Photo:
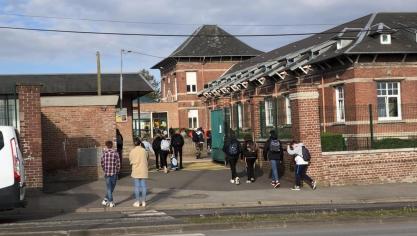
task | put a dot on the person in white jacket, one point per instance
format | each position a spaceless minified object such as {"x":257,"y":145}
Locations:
{"x":296,"y":149}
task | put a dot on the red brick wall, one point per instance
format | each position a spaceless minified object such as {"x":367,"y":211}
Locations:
{"x":126,"y":128}
{"x":77,"y":127}
{"x":31,"y":133}
{"x":371,"y":167}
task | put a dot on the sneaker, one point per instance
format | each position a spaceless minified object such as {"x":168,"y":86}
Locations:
{"x":237,"y":181}
{"x":136,"y":204}
{"x":314,"y":185}
{"x":248,"y":181}
{"x":273,"y":183}
{"x":277,"y":184}
{"x":143,"y":204}
{"x":165,"y":170}
{"x":111,"y":204}
{"x":232,"y":181}
{"x":296,"y":188}
{"x":104,"y":202}
{"x":252,"y":180}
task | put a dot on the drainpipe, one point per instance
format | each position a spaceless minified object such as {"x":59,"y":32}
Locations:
{"x":324,"y":103}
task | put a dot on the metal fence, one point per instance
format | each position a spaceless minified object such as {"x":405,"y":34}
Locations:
{"x":363,"y":127}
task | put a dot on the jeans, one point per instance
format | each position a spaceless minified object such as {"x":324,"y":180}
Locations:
{"x":110,"y":185}
{"x":232,"y":161}
{"x":274,"y":167}
{"x":178,"y":155}
{"x":301,"y":174}
{"x":250,"y":164}
{"x":140,"y":189}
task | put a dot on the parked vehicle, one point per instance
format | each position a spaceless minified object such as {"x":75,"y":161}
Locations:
{"x":12,"y":177}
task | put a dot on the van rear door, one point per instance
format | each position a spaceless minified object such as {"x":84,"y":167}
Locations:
{"x":6,"y":159}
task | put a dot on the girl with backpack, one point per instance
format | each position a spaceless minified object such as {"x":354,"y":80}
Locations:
{"x":301,"y":159}
{"x":165,"y":150}
{"x":250,"y":153}
{"x":274,"y":153}
{"x":232,"y":150}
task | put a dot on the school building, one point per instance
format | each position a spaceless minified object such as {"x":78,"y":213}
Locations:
{"x":348,"y":93}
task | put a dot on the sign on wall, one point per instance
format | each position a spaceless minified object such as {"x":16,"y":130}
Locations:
{"x":121,"y":115}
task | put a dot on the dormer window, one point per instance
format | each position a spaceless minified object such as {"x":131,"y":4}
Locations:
{"x":385,"y":38}
{"x":341,"y":43}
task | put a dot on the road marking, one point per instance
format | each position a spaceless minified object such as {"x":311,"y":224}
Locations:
{"x":147,"y":213}
{"x":180,"y":235}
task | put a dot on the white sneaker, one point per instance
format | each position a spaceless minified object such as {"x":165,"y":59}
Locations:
{"x":136,"y":204}
{"x":111,"y":204}
{"x":314,"y":185}
{"x":143,"y":204}
{"x":237,"y":181}
{"x":296,"y":188}
{"x":232,"y":181}
{"x":248,"y":181}
{"x":104,"y":202}
{"x":165,"y":170}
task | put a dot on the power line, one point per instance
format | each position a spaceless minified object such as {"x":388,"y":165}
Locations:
{"x":145,"y":54}
{"x":186,"y":35}
{"x":157,"y":23}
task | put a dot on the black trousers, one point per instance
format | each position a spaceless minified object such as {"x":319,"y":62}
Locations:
{"x":164,"y":154}
{"x":178,"y":155}
{"x":232,"y":163}
{"x":250,"y":167}
{"x":157,"y":153}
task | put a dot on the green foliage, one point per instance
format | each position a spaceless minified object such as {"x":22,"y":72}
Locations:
{"x":331,"y":142}
{"x":156,"y":95}
{"x":392,"y":143}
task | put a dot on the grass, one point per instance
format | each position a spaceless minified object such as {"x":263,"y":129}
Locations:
{"x":305,"y":217}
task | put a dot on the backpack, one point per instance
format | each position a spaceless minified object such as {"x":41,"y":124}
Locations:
{"x":165,"y":145}
{"x":177,"y":140}
{"x":200,"y":138}
{"x":234,"y":148}
{"x":306,"y":153}
{"x":275,"y":145}
{"x":195,"y":137}
{"x":174,"y":163}
{"x":156,"y":144}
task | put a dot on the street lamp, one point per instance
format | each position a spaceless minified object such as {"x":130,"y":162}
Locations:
{"x":122,"y":51}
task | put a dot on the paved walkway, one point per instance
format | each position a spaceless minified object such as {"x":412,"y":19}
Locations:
{"x":206,"y":189}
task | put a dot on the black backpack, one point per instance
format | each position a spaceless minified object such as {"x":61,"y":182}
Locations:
{"x":275,"y":146}
{"x":156,"y":144}
{"x":306,"y":153}
{"x":177,"y":140}
{"x":194,"y":136}
{"x":234,"y":148}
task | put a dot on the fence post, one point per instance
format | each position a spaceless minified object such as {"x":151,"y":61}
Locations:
{"x":371,"y":125}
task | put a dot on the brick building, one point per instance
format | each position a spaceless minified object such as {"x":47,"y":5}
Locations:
{"x":203,"y":57}
{"x":348,"y":93}
{"x":62,"y":122}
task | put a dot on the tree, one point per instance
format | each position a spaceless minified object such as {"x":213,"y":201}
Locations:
{"x":156,"y":95}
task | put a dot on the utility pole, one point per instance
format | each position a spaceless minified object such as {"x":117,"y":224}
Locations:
{"x":98,"y":74}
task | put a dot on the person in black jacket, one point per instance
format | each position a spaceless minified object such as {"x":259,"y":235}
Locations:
{"x":250,"y":153}
{"x":177,"y":142}
{"x":156,"y":146}
{"x":274,"y":153}
{"x":232,"y":150}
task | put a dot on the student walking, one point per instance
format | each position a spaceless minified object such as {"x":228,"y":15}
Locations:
{"x":198,"y":139}
{"x":208,"y":141}
{"x":274,"y":153}
{"x":164,"y":151}
{"x":138,"y":158}
{"x":119,"y":145}
{"x":110,"y":162}
{"x":177,"y":142}
{"x":232,"y":150}
{"x":156,"y":146}
{"x":301,"y":158}
{"x":250,"y":153}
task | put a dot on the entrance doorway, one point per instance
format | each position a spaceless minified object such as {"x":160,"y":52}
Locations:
{"x":217,"y":135}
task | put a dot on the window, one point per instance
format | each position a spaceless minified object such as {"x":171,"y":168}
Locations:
{"x":288,"y":109}
{"x":389,"y":100}
{"x":269,"y":115}
{"x":340,"y":104}
{"x":385,"y":38}
{"x":192,"y":119}
{"x":1,"y":140}
{"x":240,"y":115}
{"x":191,"y":78}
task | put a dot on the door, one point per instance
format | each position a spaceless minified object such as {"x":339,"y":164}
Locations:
{"x":217,"y":135}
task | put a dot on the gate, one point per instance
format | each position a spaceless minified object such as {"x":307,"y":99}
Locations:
{"x":217,"y":135}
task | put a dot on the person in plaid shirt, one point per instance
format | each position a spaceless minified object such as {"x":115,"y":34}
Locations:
{"x":110,"y":163}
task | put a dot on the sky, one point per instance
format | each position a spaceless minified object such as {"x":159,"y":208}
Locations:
{"x":30,"y":52}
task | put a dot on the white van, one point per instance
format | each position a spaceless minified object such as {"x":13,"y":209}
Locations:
{"x":12,"y":177}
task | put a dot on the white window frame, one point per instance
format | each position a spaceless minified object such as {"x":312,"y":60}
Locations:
{"x":340,"y":104}
{"x":191,"y":80}
{"x":387,"y":40}
{"x":240,"y":115}
{"x":387,"y":96}
{"x":269,"y":116}
{"x":193,"y":115}
{"x":288,"y":110}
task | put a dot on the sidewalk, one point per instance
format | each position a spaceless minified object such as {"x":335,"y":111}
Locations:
{"x":201,"y":189}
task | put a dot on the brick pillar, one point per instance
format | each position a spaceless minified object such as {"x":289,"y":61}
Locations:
{"x":306,"y":126}
{"x":31,"y":133}
{"x":255,"y":116}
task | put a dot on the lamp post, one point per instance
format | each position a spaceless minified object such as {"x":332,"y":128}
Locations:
{"x":122,"y":51}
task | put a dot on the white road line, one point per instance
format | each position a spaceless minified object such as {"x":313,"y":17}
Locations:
{"x":180,"y":235}
{"x":147,"y":213}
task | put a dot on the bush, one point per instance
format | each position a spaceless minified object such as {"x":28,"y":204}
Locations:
{"x":331,"y":142}
{"x":392,"y":143}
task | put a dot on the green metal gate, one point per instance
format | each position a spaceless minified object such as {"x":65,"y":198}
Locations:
{"x":217,"y":134}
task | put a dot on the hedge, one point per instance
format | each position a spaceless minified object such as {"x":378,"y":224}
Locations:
{"x":392,"y":143}
{"x":331,"y":142}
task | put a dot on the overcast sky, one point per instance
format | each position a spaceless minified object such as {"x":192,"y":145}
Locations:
{"x":26,"y":52}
